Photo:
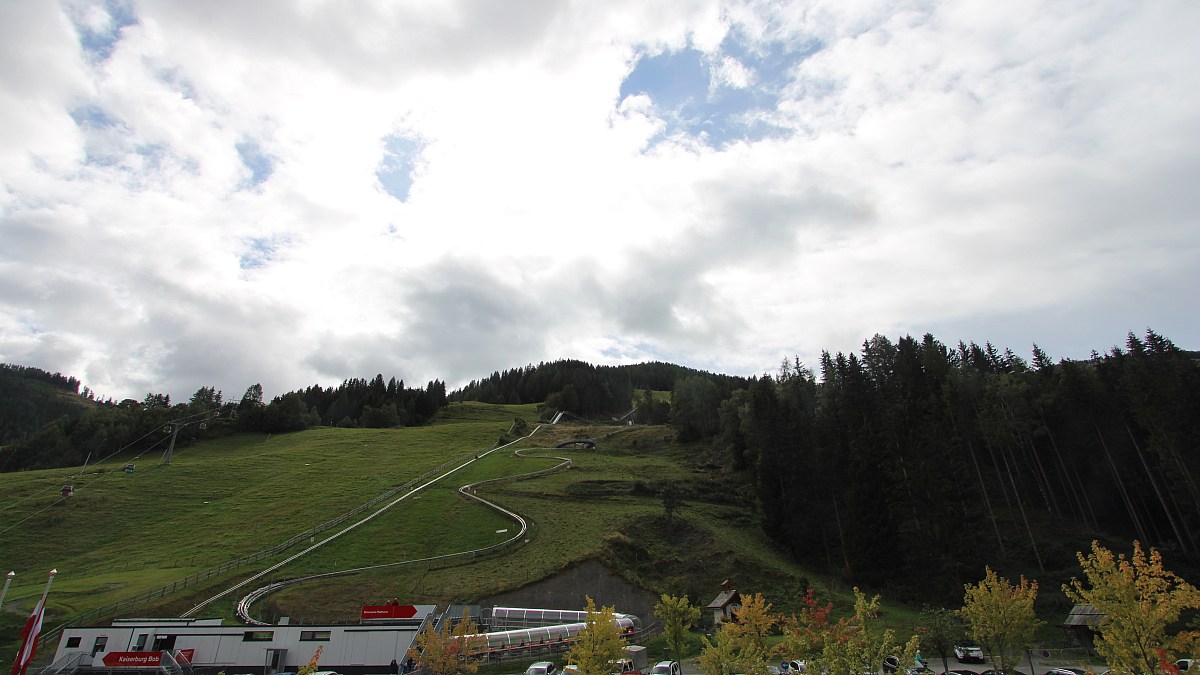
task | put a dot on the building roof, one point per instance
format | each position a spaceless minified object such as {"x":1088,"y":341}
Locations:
{"x":1083,"y":615}
{"x":724,"y":599}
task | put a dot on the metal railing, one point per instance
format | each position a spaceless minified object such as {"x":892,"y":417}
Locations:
{"x":172,"y":666}
{"x":67,"y":663}
{"x":438,"y":561}
{"x":122,"y":606}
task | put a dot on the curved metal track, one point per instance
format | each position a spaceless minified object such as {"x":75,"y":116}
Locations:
{"x":468,"y":491}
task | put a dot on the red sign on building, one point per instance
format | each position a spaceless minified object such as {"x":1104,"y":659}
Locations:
{"x":133,"y":659}
{"x":388,"y":612}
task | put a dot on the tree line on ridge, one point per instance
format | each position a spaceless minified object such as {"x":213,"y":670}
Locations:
{"x":104,"y":427}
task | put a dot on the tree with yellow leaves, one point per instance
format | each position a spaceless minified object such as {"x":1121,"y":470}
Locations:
{"x":677,"y":615}
{"x":740,"y":646}
{"x":451,"y":651}
{"x":599,"y":643}
{"x":1138,"y":599}
{"x":855,"y":645}
{"x":722,"y":656}
{"x":1000,"y":615}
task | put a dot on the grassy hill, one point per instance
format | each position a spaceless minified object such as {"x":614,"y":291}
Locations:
{"x":121,"y":534}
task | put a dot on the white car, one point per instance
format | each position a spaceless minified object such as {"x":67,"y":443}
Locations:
{"x":666,"y":668}
{"x":968,"y":654}
{"x":542,"y":668}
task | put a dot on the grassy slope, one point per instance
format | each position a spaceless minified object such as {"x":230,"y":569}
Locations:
{"x":124,"y":534}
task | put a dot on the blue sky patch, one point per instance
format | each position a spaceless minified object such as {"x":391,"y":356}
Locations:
{"x":261,"y":251}
{"x":99,"y":44}
{"x":104,"y":135}
{"x":93,"y":117}
{"x":175,"y":79}
{"x":256,"y":160}
{"x":692,"y":94}
{"x":395,"y":172}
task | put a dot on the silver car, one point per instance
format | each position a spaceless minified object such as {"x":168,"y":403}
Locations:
{"x":968,"y":654}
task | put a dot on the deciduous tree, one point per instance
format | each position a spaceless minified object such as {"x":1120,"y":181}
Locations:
{"x":943,"y":629}
{"x":1138,"y":599}
{"x":600,"y":642}
{"x":722,"y":656}
{"x":804,"y":635}
{"x":451,"y":651}
{"x":312,"y":665}
{"x":1000,"y":615}
{"x":856,"y":645}
{"x":677,"y":615}
{"x":740,"y":646}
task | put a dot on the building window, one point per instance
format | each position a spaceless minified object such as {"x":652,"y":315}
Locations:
{"x":140,"y":644}
{"x":314,"y":636}
{"x":73,"y":642}
{"x":258,"y":636}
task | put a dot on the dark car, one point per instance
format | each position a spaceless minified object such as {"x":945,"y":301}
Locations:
{"x":1066,"y":671}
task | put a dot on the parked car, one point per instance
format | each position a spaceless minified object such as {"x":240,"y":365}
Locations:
{"x":1184,"y":665}
{"x":624,"y":665}
{"x":1006,"y":671}
{"x":968,"y":654}
{"x":794,"y":667}
{"x":666,"y":668}
{"x":542,"y":668}
{"x":959,"y":672}
{"x":570,"y":669}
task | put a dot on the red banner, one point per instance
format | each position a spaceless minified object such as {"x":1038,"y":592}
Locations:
{"x":388,"y":611}
{"x":133,"y":659}
{"x":185,"y":655}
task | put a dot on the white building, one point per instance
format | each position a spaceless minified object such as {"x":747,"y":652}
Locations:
{"x":129,"y":646}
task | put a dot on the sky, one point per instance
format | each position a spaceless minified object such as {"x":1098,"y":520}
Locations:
{"x":290,"y":193}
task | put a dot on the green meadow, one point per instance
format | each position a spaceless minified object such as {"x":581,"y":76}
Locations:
{"x":122,"y":535}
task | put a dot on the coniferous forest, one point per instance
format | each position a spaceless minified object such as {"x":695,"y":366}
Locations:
{"x":909,"y":461}
{"x":914,"y":460}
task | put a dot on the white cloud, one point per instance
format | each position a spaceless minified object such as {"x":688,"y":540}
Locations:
{"x":729,"y":72}
{"x":190,"y":193}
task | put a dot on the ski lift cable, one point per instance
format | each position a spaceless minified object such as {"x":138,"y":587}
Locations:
{"x":46,"y":508}
{"x":211,"y":414}
{"x":74,"y":483}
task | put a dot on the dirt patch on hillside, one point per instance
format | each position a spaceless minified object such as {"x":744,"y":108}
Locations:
{"x":570,"y":588}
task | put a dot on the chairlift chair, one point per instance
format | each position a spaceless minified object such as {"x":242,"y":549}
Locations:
{"x":129,"y":468}
{"x":68,"y":490}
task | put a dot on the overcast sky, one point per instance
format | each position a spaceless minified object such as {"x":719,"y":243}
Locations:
{"x":226,"y":192}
